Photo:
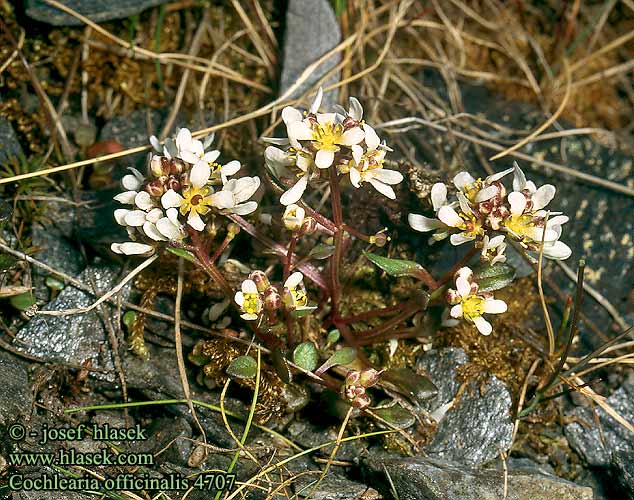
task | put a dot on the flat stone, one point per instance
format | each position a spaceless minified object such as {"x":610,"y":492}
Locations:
{"x":74,"y":338}
{"x":478,"y":425}
{"x":9,"y":145}
{"x":595,"y":445}
{"x":623,"y":472}
{"x":16,"y":397}
{"x":312,"y":30}
{"x":96,"y":10}
{"x":332,"y":487}
{"x":421,"y":478}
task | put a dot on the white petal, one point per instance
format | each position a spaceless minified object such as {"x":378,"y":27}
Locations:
{"x":293,"y":280}
{"x":300,"y":131}
{"x":462,"y":180}
{"x":277,"y":157}
{"x":143,"y":200}
{"x":151,"y":232}
{"x":116,"y":248}
{"x":356,"y":110}
{"x":357,"y":153}
{"x":245,"y":188}
{"x":464,"y":204}
{"x":557,"y":251}
{"x":372,"y":140}
{"x":135,"y":218}
{"x":486,"y":194}
{"x":519,"y":179}
{"x":558,"y":220}
{"x":463,"y":286}
{"x":189,"y":157}
{"x":194,"y":220}
{"x":465,"y":273}
{"x":325,"y":118}
{"x":199,"y":175}
{"x":294,"y":194}
{"x":495,"y":241}
{"x":352,"y":136}
{"x":291,"y":114}
{"x":249,"y":286}
{"x":131,"y":182}
{"x":498,"y":176}
{"x":314,"y":107}
{"x":156,"y":144}
{"x":456,"y":311}
{"x":127,"y":197}
{"x":171,"y":199}
{"x":222,"y":199}
{"x":211,"y":156}
{"x":239,"y":298}
{"x":438,"y":195}
{"x":483,"y":326}
{"x":119,"y":215}
{"x":384,"y":189}
{"x":245,"y":208}
{"x":168,"y":229}
{"x":517,"y":202}
{"x":459,"y":239}
{"x":183,"y":139}
{"x":231,"y":168}
{"x":543,"y":196}
{"x":494,"y":306}
{"x":355,"y":177}
{"x":154,"y":215}
{"x":324,"y":158}
{"x":388,"y":176}
{"x":422,"y":223}
{"x":133,"y":248}
{"x":449,"y":216}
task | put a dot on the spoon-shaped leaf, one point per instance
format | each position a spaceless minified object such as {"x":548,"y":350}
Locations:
{"x":243,"y":367}
{"x":305,"y":356}
{"x":416,"y":387}
{"x":343,"y":356}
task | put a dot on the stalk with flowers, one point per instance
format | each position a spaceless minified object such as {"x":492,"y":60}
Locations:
{"x":186,"y":191}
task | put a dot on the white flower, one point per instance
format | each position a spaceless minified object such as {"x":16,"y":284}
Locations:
{"x":424,"y":224}
{"x":234,"y":195}
{"x":539,"y":198}
{"x":293,"y":217}
{"x":276,"y":160}
{"x":471,"y":305}
{"x":367,"y":166}
{"x":132,"y":248}
{"x":477,"y":190}
{"x":527,"y":226}
{"x":249,"y":301}
{"x":493,"y":249}
{"x":295,"y":297}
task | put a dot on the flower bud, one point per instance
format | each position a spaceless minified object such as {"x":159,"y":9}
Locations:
{"x":272,"y":299}
{"x":293,"y":217}
{"x":176,"y":166}
{"x":172,"y":183}
{"x":158,"y":165}
{"x":379,"y":239}
{"x":184,"y":180}
{"x":155,"y":188}
{"x":232,"y":230}
{"x":369,"y":377}
{"x":261,"y":281}
{"x":309,"y":226}
{"x":349,"y":122}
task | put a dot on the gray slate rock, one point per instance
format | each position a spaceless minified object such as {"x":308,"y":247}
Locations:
{"x":16,"y":397}
{"x":79,"y":337}
{"x":623,"y":472}
{"x":479,"y":424}
{"x":429,"y":479}
{"x":333,"y":487}
{"x":9,"y":145}
{"x":312,"y":30}
{"x":596,"y":447}
{"x":96,"y":10}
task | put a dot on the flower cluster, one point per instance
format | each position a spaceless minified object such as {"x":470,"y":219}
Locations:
{"x":355,"y":385}
{"x":470,"y":304}
{"x":183,"y":186}
{"x":483,"y":212}
{"x":316,"y":141}
{"x":258,"y":296}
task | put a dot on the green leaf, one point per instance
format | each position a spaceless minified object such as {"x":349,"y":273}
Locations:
{"x":396,"y":415}
{"x":243,"y":367}
{"x":333,"y":336}
{"x":281,"y":365}
{"x":23,"y":301}
{"x":343,"y":356}
{"x":54,"y":283}
{"x":185,"y":254}
{"x":305,"y":356}
{"x":321,"y":251}
{"x":490,"y":278}
{"x":395,"y":267}
{"x":410,"y":384}
{"x":129,"y":318}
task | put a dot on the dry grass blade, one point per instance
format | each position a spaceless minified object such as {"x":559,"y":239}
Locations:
{"x":542,"y":298}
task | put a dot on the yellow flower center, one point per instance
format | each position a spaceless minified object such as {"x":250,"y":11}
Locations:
{"x":195,"y":200}
{"x":250,"y":305}
{"x":299,"y":297}
{"x":520,"y":224}
{"x":472,"y":190}
{"x":472,"y":226}
{"x":327,"y":136}
{"x":472,"y":307}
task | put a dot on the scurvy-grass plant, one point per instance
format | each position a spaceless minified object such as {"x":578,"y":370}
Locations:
{"x":185,"y":188}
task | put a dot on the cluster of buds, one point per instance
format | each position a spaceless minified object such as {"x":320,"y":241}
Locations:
{"x":355,"y":385}
{"x":258,"y":297}
{"x":483,"y":212}
{"x":183,"y":187}
{"x":316,"y":141}
{"x":471,"y":304}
